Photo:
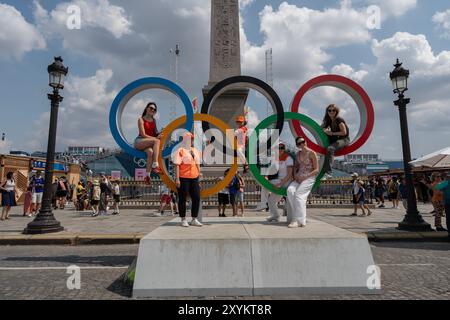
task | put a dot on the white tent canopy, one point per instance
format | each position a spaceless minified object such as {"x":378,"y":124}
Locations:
{"x":438,"y":159}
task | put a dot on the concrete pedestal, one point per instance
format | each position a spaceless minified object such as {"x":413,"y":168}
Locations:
{"x":250,"y":257}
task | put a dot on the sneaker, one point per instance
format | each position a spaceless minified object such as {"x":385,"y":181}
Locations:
{"x":184,"y":224}
{"x":381,"y":206}
{"x":273,"y":219}
{"x":157,"y":170}
{"x":441,"y":229}
{"x":261,"y":208}
{"x":294,"y":224}
{"x":95,"y":214}
{"x":147,"y":180}
{"x":196,"y":223}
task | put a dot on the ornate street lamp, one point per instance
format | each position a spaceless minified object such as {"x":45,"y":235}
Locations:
{"x":45,"y":221}
{"x":413,"y":221}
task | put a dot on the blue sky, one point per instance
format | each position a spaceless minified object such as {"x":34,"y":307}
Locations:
{"x":121,"y":41}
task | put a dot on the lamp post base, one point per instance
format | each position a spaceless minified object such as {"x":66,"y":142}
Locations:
{"x":45,"y":222}
{"x":414,"y":223}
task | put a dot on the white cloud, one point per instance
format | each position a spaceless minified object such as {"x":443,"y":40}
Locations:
{"x":414,"y":50}
{"x":245,"y":3}
{"x":300,"y":38}
{"x":83,"y":115}
{"x":94,"y":14}
{"x":442,"y":19}
{"x":347,"y":71}
{"x":17,"y":36}
{"x":395,"y":8}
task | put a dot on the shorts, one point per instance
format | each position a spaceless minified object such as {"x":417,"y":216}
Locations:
{"x":61,"y":194}
{"x":137,"y":140}
{"x":95,"y":202}
{"x":240,"y":196}
{"x":166,"y":199}
{"x":224,"y":199}
{"x":233,"y":198}
{"x":394,"y":195}
{"x":355,"y":199}
{"x":37,"y":197}
{"x":116,"y":198}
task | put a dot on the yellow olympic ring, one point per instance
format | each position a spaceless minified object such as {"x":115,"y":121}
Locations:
{"x":221,"y":126}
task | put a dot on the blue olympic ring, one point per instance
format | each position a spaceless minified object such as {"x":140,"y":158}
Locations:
{"x":129,"y":92}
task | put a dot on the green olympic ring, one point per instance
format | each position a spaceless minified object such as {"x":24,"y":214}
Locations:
{"x":307,"y":122}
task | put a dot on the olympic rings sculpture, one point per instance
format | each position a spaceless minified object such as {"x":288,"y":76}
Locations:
{"x":297,"y":120}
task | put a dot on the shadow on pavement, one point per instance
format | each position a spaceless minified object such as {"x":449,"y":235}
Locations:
{"x":437,"y":246}
{"x":104,"y":261}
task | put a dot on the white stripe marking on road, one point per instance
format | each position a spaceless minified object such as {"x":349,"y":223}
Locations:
{"x":407,"y":264}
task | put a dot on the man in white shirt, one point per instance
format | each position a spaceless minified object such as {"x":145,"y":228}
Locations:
{"x":286,"y":167}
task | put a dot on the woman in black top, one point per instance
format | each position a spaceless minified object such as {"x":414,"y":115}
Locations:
{"x":338,"y":135}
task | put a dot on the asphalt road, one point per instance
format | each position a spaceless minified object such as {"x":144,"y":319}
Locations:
{"x":409,"y":271}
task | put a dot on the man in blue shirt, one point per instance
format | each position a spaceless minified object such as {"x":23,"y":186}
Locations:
{"x":445,"y":188}
{"x":234,"y":187}
{"x":37,"y":183}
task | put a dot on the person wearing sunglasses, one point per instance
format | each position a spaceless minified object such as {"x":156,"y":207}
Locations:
{"x":149,"y":139}
{"x":187,"y":159}
{"x":306,"y":168}
{"x":337,"y":131}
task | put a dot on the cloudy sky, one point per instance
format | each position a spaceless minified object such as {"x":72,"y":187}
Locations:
{"x":121,"y":41}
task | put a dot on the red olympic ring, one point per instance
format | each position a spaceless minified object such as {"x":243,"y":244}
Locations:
{"x":361,"y":99}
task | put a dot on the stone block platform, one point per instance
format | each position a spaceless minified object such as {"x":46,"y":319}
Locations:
{"x":250,"y":257}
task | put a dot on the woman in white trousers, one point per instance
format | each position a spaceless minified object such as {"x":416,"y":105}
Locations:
{"x":306,"y":169}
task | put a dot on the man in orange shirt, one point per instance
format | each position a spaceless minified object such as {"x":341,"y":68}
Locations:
{"x":187,"y":159}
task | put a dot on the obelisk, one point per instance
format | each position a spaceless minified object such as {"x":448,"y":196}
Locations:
{"x":225,"y":60}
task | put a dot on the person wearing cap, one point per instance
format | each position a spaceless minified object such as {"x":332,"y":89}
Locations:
{"x":283,"y":179}
{"x":306,"y":168}
{"x":187,"y":159}
{"x":241,"y":134}
{"x":149,"y":139}
{"x":355,"y":192}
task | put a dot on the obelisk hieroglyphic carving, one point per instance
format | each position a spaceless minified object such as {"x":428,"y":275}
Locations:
{"x":225,"y":59}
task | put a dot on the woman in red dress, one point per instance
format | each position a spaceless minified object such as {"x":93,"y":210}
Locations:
{"x":149,"y":139}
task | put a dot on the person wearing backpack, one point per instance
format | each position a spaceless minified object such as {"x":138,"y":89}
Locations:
{"x":393,"y":189}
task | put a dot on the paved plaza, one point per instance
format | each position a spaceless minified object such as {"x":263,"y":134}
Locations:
{"x":138,"y":223}
{"x":410,"y":270}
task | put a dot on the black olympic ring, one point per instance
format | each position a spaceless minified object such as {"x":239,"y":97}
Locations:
{"x":252,"y":83}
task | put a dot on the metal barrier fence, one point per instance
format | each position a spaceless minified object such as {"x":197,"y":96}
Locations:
{"x":137,"y":194}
